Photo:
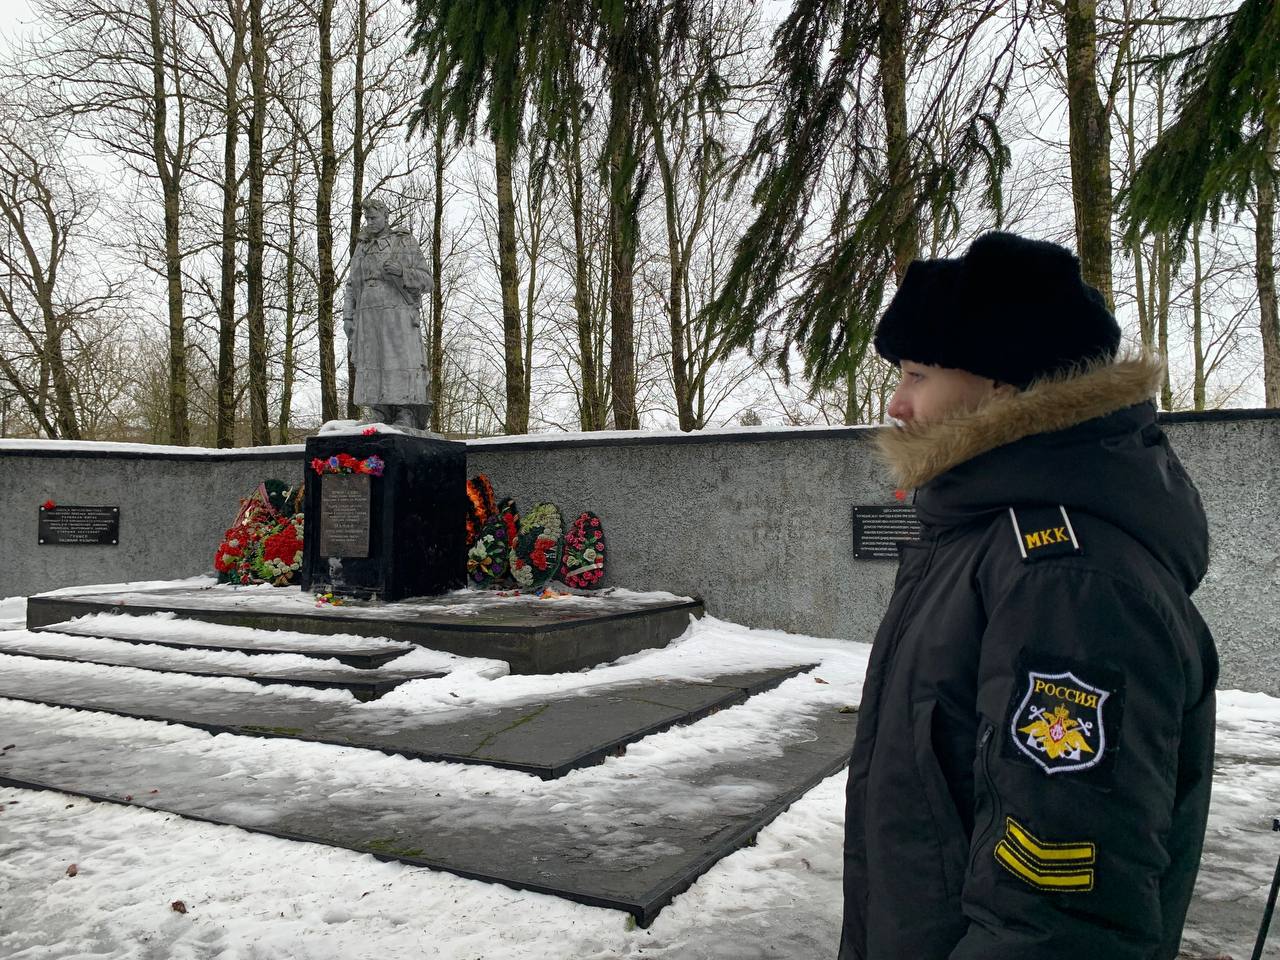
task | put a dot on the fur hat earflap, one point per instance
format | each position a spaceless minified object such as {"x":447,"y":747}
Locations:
{"x":1011,"y":309}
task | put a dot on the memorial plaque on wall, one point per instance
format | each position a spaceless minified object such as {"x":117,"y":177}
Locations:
{"x":877,"y":530}
{"x":79,"y":526}
{"x":345,"y":515}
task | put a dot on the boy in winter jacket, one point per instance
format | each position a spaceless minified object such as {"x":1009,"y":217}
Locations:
{"x":1033,"y":760}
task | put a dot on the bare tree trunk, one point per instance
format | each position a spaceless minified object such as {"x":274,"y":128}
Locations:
{"x":623,"y":237}
{"x":517,"y":420}
{"x":437,"y":286}
{"x":1197,"y":322}
{"x":179,"y":432}
{"x":357,"y":173}
{"x":592,"y":413}
{"x":259,"y":433}
{"x":324,"y":220}
{"x":1146,"y":330}
{"x":535,"y":196}
{"x":226,"y":415}
{"x":289,"y":373}
{"x":1163,"y":280}
{"x":1265,"y":245}
{"x":893,"y":89}
{"x":1090,"y":136}
{"x":675,"y":288}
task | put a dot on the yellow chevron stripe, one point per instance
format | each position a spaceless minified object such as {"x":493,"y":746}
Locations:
{"x":1080,"y":881}
{"x":1036,"y":849}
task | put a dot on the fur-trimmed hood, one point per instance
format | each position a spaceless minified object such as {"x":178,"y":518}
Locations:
{"x":918,"y":454}
{"x":1088,"y":442}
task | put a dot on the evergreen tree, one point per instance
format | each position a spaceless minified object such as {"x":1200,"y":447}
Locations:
{"x":1221,"y":151}
{"x":855,"y":102}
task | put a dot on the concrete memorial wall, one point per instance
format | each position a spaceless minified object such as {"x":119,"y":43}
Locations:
{"x":756,"y":522}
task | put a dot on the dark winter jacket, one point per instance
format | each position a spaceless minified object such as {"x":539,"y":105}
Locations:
{"x":1031,"y":772}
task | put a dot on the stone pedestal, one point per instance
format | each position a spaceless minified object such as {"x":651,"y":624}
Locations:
{"x":399,"y":535}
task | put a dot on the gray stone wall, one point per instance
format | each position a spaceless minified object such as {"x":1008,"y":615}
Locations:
{"x":174,"y":508}
{"x":760,"y":525}
{"x":756,"y":523}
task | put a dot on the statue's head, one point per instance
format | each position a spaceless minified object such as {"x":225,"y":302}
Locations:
{"x":376,"y":213}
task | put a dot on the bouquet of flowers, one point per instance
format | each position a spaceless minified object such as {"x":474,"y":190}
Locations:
{"x":264,"y":543}
{"x":536,"y":552}
{"x":583,"y":563}
{"x":481,"y":507}
{"x":488,"y":558}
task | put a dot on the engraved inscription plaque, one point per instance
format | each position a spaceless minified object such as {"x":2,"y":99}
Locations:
{"x":79,"y":526}
{"x":344,"y":515}
{"x":877,"y":530}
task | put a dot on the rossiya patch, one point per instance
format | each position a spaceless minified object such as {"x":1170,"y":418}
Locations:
{"x":1060,"y":722}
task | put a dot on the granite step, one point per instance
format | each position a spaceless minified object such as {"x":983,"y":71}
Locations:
{"x":365,"y":653}
{"x":630,"y":834}
{"x":547,"y":736}
{"x":532,"y":634}
{"x":263,"y":668}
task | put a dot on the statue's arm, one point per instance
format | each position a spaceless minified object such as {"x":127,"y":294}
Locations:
{"x":417,"y":272}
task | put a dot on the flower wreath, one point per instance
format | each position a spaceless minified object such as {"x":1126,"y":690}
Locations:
{"x":535,"y":555}
{"x":345,"y":463}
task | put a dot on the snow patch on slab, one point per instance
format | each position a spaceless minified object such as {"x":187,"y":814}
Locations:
{"x":92,"y":648}
{"x":13,"y":613}
{"x":171,"y":627}
{"x":73,"y":447}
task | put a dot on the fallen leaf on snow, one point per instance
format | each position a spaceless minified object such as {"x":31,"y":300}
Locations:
{"x":178,"y":906}
{"x":819,"y":680}
{"x":72,"y":870}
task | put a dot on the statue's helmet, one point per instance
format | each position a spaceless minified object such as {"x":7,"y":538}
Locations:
{"x":374,"y":203}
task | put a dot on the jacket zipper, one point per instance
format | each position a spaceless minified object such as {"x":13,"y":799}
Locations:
{"x":983,"y":752}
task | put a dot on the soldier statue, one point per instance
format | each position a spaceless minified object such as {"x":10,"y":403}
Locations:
{"x":381,"y":316}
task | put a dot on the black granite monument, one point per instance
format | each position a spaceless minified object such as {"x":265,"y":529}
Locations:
{"x":388,"y":537}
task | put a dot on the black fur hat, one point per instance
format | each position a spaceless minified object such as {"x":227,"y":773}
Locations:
{"x":1011,"y":309}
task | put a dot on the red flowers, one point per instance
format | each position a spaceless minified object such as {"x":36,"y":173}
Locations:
{"x":370,"y":431}
{"x":345,"y":463}
{"x":48,"y":505}
{"x":900,"y":494}
{"x":285,"y":546}
{"x":540,"y":547}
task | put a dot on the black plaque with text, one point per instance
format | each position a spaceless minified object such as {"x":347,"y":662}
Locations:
{"x":79,"y":526}
{"x":877,"y":530}
{"x":345,"y":514}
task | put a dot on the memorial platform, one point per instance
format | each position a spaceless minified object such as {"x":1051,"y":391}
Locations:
{"x":532,"y":634}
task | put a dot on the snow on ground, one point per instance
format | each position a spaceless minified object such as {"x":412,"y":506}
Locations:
{"x":250,"y":897}
{"x":13,"y":613}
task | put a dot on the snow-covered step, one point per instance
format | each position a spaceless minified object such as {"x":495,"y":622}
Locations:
{"x":166,"y":629}
{"x":264,"y":668}
{"x":547,"y":736}
{"x":629,"y":834}
{"x":557,"y":633}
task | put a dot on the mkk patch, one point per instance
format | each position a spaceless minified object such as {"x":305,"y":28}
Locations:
{"x":1043,"y":532}
{"x":1059,"y":722}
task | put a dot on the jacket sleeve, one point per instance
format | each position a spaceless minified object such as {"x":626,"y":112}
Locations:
{"x":1081,"y":695}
